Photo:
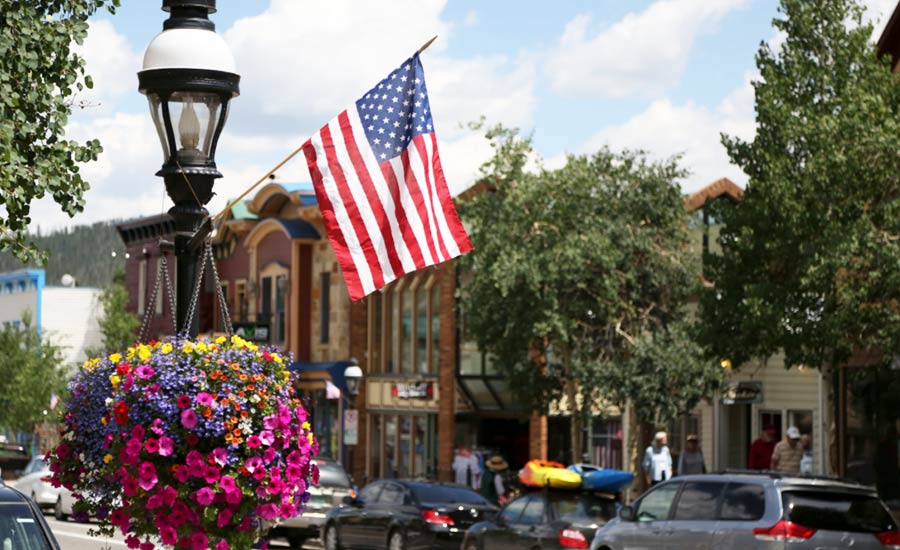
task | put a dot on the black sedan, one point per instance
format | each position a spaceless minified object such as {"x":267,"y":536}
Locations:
{"x":22,"y":524}
{"x":405,"y":515}
{"x":544,"y":519}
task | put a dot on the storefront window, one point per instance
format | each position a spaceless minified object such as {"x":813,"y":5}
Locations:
{"x":422,"y":330}
{"x":406,"y":345}
{"x":606,"y":442}
{"x":420,"y":441}
{"x":404,"y":450}
{"x":390,"y":446}
{"x":375,"y":446}
{"x":435,"y":325}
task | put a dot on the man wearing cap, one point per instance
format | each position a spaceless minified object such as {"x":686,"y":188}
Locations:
{"x":787,"y":454}
{"x":761,"y":450}
{"x":657,"y":461}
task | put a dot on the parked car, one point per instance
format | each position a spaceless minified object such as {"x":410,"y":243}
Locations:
{"x":400,"y":515}
{"x":334,"y":484}
{"x":542,"y":519}
{"x":35,"y":482}
{"x":22,"y":524}
{"x":752,"y":511}
{"x":13,"y":459}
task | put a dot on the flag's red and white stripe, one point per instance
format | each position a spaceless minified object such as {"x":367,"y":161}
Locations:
{"x":383,"y":219}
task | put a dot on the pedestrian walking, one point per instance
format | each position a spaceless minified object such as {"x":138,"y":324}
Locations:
{"x":787,"y":454}
{"x":657,"y":460}
{"x":761,"y":450}
{"x":492,"y":487}
{"x":691,"y":459}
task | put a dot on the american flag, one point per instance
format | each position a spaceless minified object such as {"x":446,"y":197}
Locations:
{"x":380,"y":186}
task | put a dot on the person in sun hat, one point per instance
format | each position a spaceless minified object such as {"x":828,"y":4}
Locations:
{"x":788,"y":453}
{"x":492,"y":480}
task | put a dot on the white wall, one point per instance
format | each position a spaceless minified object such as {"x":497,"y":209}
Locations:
{"x":71,"y":320}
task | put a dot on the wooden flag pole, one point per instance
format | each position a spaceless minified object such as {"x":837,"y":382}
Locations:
{"x":425,"y":46}
{"x":287,"y":159}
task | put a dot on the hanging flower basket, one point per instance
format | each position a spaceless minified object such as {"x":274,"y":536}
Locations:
{"x":186,"y":443}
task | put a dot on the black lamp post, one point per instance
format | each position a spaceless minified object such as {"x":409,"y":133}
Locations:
{"x":189,"y":78}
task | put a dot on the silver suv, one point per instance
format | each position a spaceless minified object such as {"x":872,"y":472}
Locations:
{"x":334,"y":484}
{"x":752,"y":511}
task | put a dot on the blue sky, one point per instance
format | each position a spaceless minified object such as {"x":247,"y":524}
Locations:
{"x":666,"y":76}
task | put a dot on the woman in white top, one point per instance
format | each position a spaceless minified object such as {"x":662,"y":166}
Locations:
{"x":657,"y":461}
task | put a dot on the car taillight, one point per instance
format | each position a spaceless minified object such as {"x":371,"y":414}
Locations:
{"x":572,"y":538}
{"x":784,"y":531}
{"x":890,"y":539}
{"x":436,"y":518}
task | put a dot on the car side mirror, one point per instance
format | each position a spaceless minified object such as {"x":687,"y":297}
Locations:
{"x":626,"y":513}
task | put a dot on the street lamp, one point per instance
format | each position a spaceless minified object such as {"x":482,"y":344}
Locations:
{"x":352,"y":376}
{"x":189,"y":77}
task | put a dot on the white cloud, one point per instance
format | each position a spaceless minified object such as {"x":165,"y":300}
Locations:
{"x":112,"y":64}
{"x":642,"y":54}
{"x":665,"y":129}
{"x":878,"y":12}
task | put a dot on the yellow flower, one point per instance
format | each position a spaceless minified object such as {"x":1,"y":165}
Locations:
{"x":310,"y":438}
{"x":114,"y":380}
{"x":166,"y":348}
{"x":277,"y":358}
{"x":107,"y":458}
{"x":220,"y":340}
{"x":116,"y":357}
{"x":144,"y":353}
{"x":237,"y":341}
{"x":306,"y":426}
{"x":201,"y":347}
{"x":187,"y":347}
{"x":252,"y":347}
{"x":104,"y":421}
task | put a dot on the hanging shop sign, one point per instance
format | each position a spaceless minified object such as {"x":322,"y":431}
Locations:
{"x":351,"y":427}
{"x":254,"y":332}
{"x":413,"y":390}
{"x":742,"y":393}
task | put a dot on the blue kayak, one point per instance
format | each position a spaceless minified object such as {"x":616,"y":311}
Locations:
{"x":602,"y":479}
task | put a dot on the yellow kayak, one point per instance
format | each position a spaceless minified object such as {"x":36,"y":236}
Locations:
{"x":546,"y":473}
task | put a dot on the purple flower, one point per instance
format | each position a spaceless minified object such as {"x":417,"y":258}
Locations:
{"x":188,"y":419}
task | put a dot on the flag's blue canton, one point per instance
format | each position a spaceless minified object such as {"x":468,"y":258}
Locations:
{"x":396,"y":110}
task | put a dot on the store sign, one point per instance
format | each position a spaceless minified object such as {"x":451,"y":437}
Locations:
{"x":351,"y":427}
{"x":742,"y":393}
{"x":413,"y":390}
{"x":254,"y":332}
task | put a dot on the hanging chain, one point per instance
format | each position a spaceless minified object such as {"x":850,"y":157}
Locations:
{"x":226,"y":318}
{"x":151,"y":307}
{"x":195,"y":295}
{"x":162,"y":273}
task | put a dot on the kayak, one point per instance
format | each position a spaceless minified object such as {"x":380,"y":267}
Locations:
{"x":546,"y":473}
{"x":602,"y":479}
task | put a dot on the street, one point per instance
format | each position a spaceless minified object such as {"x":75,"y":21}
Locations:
{"x":73,"y":536}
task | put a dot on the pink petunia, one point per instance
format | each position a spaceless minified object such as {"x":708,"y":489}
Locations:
{"x":147,"y":545}
{"x":166,"y":446}
{"x":188,"y":418}
{"x":169,"y":494}
{"x":222,"y":545}
{"x":147,"y":483}
{"x":275,"y":486}
{"x":204,"y":399}
{"x":133,"y":447}
{"x":130,"y":486}
{"x":204,"y":496}
{"x":199,"y":541}
{"x":183,"y":474}
{"x":227,"y":483}
{"x":168,"y":535}
{"x":192,"y":440}
{"x":63,"y":450}
{"x":144,"y":371}
{"x":155,"y":501}
{"x":253,"y":463}
{"x":266,"y":437}
{"x":119,"y":519}
{"x":156,"y":427}
{"x":253,"y":442}
{"x":151,"y":445}
{"x":211,"y":475}
{"x":138,"y":433}
{"x":218,"y":456}
{"x":147,"y":469}
{"x":287,"y":510}
{"x":183,"y":402}
{"x":132,"y":541}
{"x":233,"y":496}
{"x":269,"y":455}
{"x":224,"y":518}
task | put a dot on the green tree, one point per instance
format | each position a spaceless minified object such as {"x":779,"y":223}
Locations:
{"x":809,"y":263}
{"x":31,"y":371}
{"x":579,"y":281}
{"x":119,"y":326}
{"x":40,"y":75}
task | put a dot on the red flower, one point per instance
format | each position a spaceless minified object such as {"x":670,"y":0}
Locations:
{"x":121,"y":412}
{"x":122,"y":369}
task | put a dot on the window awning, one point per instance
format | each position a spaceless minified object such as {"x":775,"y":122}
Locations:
{"x":329,"y":370}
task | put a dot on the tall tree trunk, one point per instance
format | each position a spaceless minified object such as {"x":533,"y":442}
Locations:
{"x":576,"y":429}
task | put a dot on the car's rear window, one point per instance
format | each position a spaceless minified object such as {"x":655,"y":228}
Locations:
{"x":332,"y":475}
{"x":19,"y":529}
{"x":446,"y":494}
{"x":835,"y":511}
{"x":576,"y":506}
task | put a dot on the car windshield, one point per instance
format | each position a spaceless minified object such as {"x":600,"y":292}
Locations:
{"x":435,"y":494}
{"x":575,"y":506}
{"x":834,"y":511}
{"x":332,"y":474}
{"x":19,"y":529}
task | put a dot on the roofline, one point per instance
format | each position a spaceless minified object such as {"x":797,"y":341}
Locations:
{"x":722,"y":187}
{"x":889,"y":41}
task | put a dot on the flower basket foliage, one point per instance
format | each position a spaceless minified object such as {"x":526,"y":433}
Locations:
{"x":186,"y":443}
